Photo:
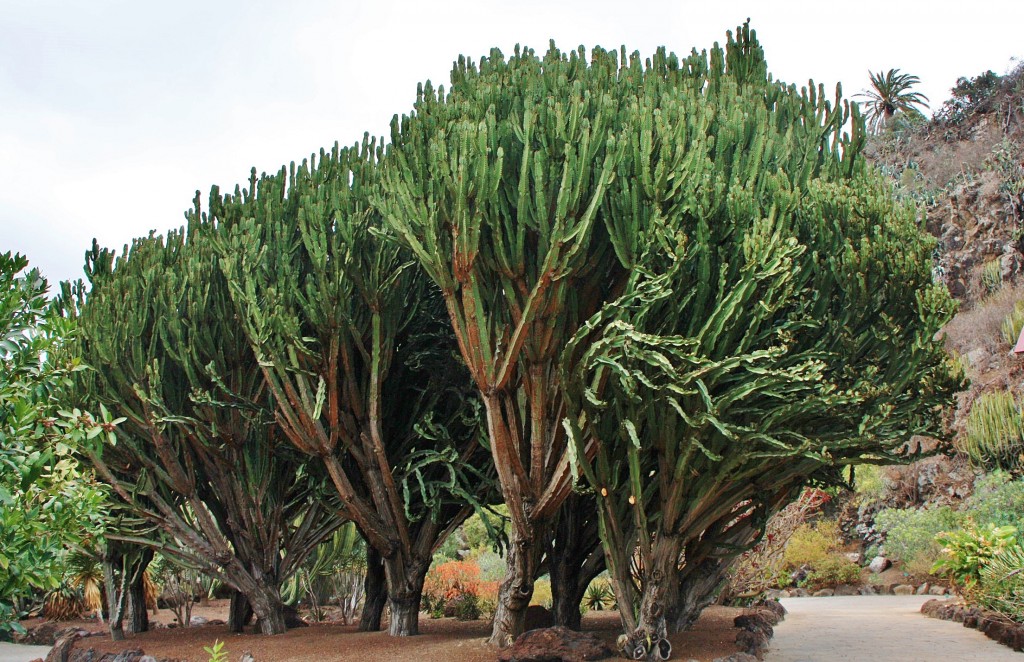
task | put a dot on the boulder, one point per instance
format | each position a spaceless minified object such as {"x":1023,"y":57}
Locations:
{"x":938,"y":590}
{"x":799,"y":593}
{"x":824,"y":593}
{"x":855,"y":557}
{"x":61,"y":651}
{"x":752,"y":643}
{"x":44,"y":634}
{"x":773,"y":606}
{"x":903,"y":589}
{"x":846,"y":589}
{"x":922,"y":589}
{"x":737,"y":657}
{"x":555,"y":644}
{"x":867,"y":590}
{"x":879,"y":564}
{"x":754,"y":622}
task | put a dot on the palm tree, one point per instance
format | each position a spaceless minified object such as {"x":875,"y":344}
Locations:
{"x":890,"y":94}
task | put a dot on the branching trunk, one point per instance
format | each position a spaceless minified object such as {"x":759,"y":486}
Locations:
{"x":649,"y":639}
{"x":269,"y":608}
{"x":516,"y":589}
{"x":574,"y":559}
{"x":404,"y":590}
{"x":697,"y":590}
{"x":239,"y":612}
{"x":375,"y":590}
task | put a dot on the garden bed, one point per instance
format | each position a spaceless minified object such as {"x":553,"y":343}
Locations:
{"x":447,"y":639}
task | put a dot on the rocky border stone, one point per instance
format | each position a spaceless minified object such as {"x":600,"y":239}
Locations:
{"x":756,"y":626}
{"x":864,"y":589}
{"x":995,"y":626}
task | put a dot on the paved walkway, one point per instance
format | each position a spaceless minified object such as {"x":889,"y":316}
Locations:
{"x":18,"y":653}
{"x":876,"y":628}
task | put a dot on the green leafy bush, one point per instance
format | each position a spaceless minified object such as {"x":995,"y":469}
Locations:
{"x":832,"y":570}
{"x":910,"y":533}
{"x":998,"y":499}
{"x":968,"y":550}
{"x":993,"y":436}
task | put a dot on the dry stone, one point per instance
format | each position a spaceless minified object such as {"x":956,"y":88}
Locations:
{"x":879,"y":564}
{"x":556,"y":644}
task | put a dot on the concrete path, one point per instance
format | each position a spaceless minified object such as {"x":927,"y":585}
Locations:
{"x":19,"y":653}
{"x":876,"y":628}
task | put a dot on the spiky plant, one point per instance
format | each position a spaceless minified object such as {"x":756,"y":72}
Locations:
{"x":890,"y":93}
{"x":85,"y":572}
{"x":993,"y":437}
{"x":63,"y":603}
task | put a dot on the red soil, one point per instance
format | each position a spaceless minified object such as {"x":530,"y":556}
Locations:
{"x":441,"y":640}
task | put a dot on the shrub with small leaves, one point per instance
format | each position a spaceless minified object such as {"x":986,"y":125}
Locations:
{"x":968,"y":550}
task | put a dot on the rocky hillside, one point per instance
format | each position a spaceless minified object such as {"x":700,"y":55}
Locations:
{"x":965,"y":169}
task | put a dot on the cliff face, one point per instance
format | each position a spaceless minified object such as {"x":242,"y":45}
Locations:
{"x":965,"y":169}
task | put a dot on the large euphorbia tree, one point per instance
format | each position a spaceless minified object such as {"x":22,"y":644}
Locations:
{"x":780,"y":326}
{"x":353,"y":345}
{"x":199,"y":459}
{"x":496,"y":188}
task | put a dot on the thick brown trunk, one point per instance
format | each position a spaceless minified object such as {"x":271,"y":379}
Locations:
{"x":266,"y":603}
{"x":404,"y":590}
{"x":573,"y":559}
{"x":138,"y":616}
{"x":239,"y":612}
{"x":566,"y":597}
{"x":697,"y":589}
{"x":649,"y":640}
{"x":375,"y":592}
{"x":516,"y":589}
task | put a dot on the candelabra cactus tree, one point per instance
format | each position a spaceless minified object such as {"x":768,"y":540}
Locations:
{"x":198,"y":460}
{"x":779,"y":326}
{"x":353,"y":345}
{"x":496,"y":187}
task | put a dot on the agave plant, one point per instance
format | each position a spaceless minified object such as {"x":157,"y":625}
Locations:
{"x":85,"y":573}
{"x":890,"y":94}
{"x":599,"y":596}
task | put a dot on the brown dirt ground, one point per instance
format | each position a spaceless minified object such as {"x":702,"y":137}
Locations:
{"x":441,"y":640}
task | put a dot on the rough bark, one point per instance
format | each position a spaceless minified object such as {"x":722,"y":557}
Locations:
{"x":573,"y":559}
{"x":697,"y":589}
{"x":115,"y":588}
{"x":516,"y":589}
{"x":649,"y":639}
{"x":375,"y":592}
{"x":404,"y":590}
{"x":266,"y":603}
{"x":239,"y":612}
{"x":137,"y":616}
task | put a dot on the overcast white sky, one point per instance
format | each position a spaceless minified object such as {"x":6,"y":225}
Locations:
{"x":112,"y":113}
